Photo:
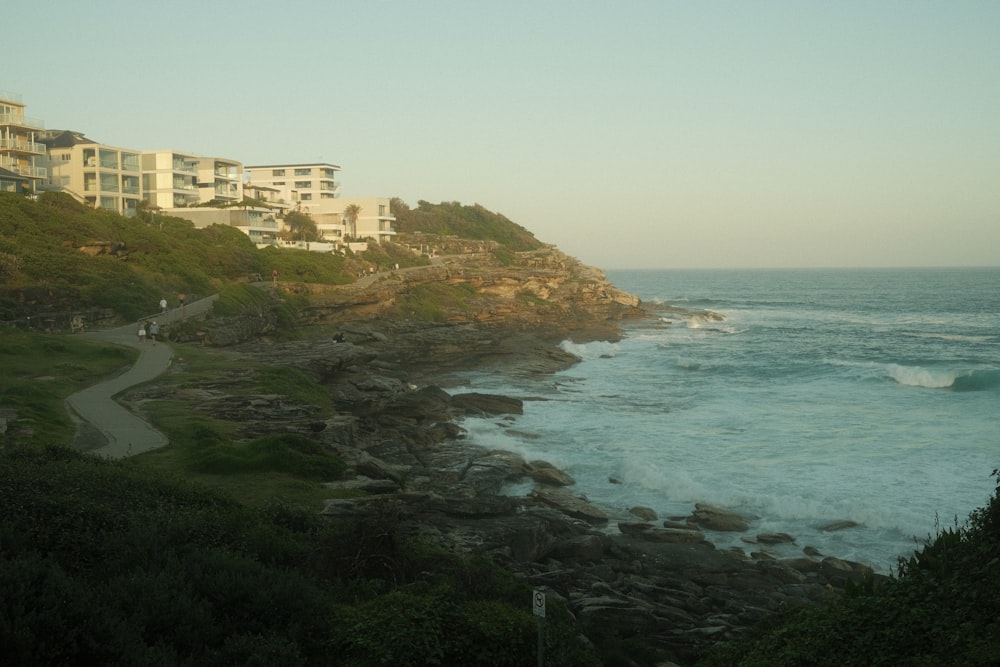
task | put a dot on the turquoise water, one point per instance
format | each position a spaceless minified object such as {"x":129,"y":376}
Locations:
{"x":822,"y":395}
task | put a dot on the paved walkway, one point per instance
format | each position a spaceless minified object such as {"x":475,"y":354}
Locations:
{"x":127,"y":434}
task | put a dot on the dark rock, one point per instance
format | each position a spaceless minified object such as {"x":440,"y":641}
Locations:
{"x":544,"y":472}
{"x":487,"y":404}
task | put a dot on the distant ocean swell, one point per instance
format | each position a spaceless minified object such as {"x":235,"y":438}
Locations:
{"x":927,"y":377}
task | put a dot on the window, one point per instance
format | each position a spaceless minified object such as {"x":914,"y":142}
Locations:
{"x":306,"y":197}
{"x":277,"y":172}
{"x":304,"y":184}
{"x":279,"y":183}
{"x":304,"y":171}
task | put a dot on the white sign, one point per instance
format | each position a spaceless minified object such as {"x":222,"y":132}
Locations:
{"x":538,"y":603}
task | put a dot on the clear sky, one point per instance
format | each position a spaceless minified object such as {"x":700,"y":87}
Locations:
{"x":644,"y":133}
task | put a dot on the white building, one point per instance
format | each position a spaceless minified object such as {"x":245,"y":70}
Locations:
{"x":170,"y":179}
{"x":297,"y":184}
{"x":19,"y":150}
{"x":98,"y":175}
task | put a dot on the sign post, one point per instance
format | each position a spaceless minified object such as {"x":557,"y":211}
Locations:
{"x":538,"y":609}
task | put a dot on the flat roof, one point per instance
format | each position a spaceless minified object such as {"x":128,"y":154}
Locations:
{"x":286,"y":166}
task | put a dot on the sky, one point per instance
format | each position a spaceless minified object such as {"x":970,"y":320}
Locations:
{"x":630,"y":134}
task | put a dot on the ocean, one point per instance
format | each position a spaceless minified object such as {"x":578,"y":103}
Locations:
{"x":863,"y":395}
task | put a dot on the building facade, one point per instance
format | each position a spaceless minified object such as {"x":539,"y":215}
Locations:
{"x":220,"y":181}
{"x":170,"y":179}
{"x":100,"y":176}
{"x":374,"y":218}
{"x":19,"y":149}
{"x":302,"y":185}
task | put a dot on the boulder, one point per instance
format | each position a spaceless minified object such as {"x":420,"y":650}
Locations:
{"x":716,"y":518}
{"x":644,"y":513}
{"x":569,"y":504}
{"x":487,"y":404}
{"x":544,"y":472}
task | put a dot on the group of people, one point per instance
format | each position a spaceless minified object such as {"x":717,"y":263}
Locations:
{"x":154,"y":331}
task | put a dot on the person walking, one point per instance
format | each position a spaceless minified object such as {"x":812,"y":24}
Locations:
{"x":163,"y":305}
{"x":154,"y":329}
{"x":142,"y":332}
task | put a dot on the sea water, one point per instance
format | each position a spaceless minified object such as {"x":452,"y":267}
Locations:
{"x":817,"y":396}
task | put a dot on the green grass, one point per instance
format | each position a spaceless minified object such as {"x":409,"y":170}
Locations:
{"x":38,"y":372}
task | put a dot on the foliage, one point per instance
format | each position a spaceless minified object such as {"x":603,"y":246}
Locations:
{"x":300,"y":227}
{"x":433,"y":302}
{"x":386,"y":255}
{"x":306,"y":266}
{"x":138,"y":260}
{"x":467,"y":222}
{"x":943,"y":608}
{"x":105,"y":563}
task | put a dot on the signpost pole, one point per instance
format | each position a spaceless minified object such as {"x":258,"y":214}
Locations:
{"x":538,"y":608}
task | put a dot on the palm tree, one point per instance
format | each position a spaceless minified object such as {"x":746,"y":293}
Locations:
{"x":351,"y":214}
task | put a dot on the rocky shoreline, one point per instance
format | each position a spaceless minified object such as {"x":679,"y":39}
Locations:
{"x":633,"y":572}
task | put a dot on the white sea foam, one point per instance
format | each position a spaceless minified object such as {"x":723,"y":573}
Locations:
{"x":828,"y":407}
{"x":592,"y":350}
{"x":915,"y":376}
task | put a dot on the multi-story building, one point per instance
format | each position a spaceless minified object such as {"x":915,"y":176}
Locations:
{"x":374,"y":218}
{"x":220,"y":180}
{"x":19,"y":149}
{"x":170,"y":179}
{"x":100,"y":176}
{"x":298,"y":184}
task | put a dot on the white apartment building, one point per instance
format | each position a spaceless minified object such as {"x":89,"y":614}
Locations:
{"x":297,"y":184}
{"x":19,"y":150}
{"x":374,"y":221}
{"x":170,"y":179}
{"x":99,"y":175}
{"x":220,"y":180}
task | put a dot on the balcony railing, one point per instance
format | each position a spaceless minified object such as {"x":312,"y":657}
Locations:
{"x":20,"y":120}
{"x":22,"y":170}
{"x":22,"y":146}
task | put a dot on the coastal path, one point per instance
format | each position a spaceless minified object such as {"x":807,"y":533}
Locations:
{"x":125,"y":433}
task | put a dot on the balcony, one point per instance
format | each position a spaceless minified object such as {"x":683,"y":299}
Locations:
{"x":24,"y":170}
{"x":18,"y":120}
{"x":22,"y":146}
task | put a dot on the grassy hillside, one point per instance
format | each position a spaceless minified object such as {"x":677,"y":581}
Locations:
{"x":58,"y":255}
{"x":467,"y":222}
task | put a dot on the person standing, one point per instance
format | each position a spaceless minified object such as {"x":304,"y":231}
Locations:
{"x":154,"y":329}
{"x":163,"y":305}
{"x":274,"y":277}
{"x":142,"y":332}
{"x":181,"y":297}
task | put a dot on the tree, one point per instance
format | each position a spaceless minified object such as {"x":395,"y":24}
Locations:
{"x":351,"y":214}
{"x":301,"y":227}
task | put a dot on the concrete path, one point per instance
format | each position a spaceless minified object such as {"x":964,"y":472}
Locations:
{"x":127,"y":434}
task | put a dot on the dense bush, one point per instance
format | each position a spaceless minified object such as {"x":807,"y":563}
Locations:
{"x":467,"y":222}
{"x":103,"y":563}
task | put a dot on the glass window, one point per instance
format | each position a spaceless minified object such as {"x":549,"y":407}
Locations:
{"x":277,"y":172}
{"x":304,"y":171}
{"x":304,"y":184}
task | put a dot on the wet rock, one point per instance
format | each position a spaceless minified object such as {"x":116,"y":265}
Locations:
{"x":487,"y":404}
{"x":544,"y":472}
{"x":717,"y":518}
{"x":572,"y":505}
